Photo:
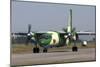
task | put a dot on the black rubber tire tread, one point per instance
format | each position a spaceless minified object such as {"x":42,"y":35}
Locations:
{"x":45,"y":50}
{"x":36,"y":50}
{"x":74,"y":49}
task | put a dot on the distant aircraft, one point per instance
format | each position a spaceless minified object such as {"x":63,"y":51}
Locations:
{"x":54,"y":38}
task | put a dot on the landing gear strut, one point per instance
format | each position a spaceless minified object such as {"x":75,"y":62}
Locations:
{"x":74,"y":48}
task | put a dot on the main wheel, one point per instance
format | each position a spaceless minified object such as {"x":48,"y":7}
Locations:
{"x":45,"y":50}
{"x":74,"y":49}
{"x":36,"y":50}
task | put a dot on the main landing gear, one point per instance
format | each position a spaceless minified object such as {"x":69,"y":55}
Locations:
{"x":74,"y":48}
{"x":37,"y":50}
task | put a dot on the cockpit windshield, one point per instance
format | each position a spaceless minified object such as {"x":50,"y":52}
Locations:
{"x":45,"y":36}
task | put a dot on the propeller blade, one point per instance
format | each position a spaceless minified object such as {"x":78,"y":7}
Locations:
{"x":29,"y":28}
{"x":28,"y":36}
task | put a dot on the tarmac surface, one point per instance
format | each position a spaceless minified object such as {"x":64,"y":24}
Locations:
{"x":86,"y":54}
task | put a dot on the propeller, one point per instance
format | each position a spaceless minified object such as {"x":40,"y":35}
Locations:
{"x":75,"y":35}
{"x":68,"y":38}
{"x":28,"y":38}
{"x":65,"y":30}
{"x":70,"y":35}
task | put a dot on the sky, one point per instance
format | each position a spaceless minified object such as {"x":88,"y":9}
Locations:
{"x":49,"y":16}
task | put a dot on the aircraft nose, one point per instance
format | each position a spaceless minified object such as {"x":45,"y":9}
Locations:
{"x":42,"y":41}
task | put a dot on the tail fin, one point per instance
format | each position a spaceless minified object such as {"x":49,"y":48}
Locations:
{"x":69,"y":27}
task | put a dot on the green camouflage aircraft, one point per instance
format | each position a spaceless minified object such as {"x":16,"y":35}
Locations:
{"x":54,"y":38}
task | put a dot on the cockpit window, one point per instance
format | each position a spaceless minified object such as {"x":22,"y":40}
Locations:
{"x":46,"y":36}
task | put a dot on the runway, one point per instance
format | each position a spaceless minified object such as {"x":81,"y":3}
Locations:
{"x":86,"y":54}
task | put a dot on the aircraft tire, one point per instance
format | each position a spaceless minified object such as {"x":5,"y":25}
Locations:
{"x":45,"y":50}
{"x":74,"y":49}
{"x":36,"y":50}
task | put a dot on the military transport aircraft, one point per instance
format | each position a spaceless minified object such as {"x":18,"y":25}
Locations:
{"x":54,"y":38}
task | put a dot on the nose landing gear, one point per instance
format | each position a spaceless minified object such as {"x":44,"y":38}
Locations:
{"x":45,"y":50}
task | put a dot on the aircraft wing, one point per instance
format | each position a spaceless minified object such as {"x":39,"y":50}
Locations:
{"x":86,"y":33}
{"x":61,"y":33}
{"x":79,"y":33}
{"x":24,"y":34}
{"x":19,"y":34}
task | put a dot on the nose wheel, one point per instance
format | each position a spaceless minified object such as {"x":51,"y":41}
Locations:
{"x":45,"y":50}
